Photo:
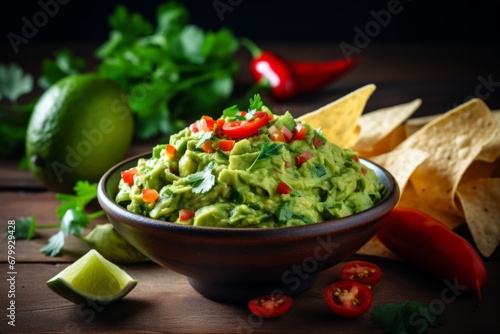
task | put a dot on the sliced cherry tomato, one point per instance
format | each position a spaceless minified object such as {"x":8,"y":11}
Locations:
{"x":303,"y":157}
{"x":300,"y":132}
{"x":283,"y":188}
{"x":128,"y":175}
{"x":171,"y":151}
{"x":185,"y":214}
{"x":348,"y":299}
{"x":245,"y":128}
{"x":361,"y":271}
{"x":226,"y":145}
{"x":270,"y":306}
{"x":149,"y":195}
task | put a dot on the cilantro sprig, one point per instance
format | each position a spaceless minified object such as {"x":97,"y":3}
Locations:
{"x":179,"y":66}
{"x":267,"y":151}
{"x":204,"y":180}
{"x":405,"y":317}
{"x":73,"y":217}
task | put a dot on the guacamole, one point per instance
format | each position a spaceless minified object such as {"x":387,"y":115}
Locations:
{"x":249,"y":169}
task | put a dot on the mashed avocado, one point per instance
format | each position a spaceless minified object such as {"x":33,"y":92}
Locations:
{"x":249,"y":169}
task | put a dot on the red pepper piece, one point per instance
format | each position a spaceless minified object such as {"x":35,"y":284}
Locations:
{"x":426,"y":242}
{"x":313,"y":75}
{"x":287,"y":78}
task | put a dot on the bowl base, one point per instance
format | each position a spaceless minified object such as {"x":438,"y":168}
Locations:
{"x":228,"y":292}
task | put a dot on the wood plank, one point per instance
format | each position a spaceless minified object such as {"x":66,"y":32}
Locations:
{"x":163,"y":301}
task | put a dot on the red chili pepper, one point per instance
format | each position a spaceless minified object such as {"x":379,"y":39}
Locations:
{"x":426,"y":242}
{"x":287,"y":78}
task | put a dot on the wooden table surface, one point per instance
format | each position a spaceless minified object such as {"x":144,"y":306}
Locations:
{"x":443,"y":76}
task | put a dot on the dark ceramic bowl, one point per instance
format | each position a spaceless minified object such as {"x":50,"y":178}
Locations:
{"x":236,"y":264}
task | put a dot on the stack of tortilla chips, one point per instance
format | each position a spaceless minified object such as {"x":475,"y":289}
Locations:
{"x":446,"y":165}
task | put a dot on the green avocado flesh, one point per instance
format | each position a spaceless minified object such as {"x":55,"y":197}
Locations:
{"x":259,"y":183}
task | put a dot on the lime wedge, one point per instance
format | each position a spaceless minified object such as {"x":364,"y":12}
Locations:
{"x":92,"y":278}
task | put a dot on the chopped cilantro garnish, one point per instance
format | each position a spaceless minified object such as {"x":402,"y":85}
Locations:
{"x":202,"y":181}
{"x":268,"y":150}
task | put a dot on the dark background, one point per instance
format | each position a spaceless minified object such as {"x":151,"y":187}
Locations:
{"x":333,"y":21}
{"x":442,"y":47}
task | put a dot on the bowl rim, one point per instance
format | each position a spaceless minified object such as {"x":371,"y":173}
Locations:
{"x":387,"y":203}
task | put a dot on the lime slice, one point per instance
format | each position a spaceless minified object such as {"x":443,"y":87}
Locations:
{"x":92,"y":278}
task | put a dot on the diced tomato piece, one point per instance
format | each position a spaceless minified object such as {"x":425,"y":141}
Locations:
{"x":207,"y":146}
{"x":300,"y":132}
{"x":288,"y":164}
{"x":283,"y":188}
{"x":356,"y":158}
{"x":185,"y":214}
{"x":128,"y":175}
{"x":278,"y":136}
{"x":206,"y":123}
{"x":287,"y":133}
{"x":194,"y":127}
{"x":363,"y":170}
{"x":318,"y":142}
{"x":303,"y":157}
{"x":226,"y":145}
{"x":149,"y":195}
{"x":171,"y":151}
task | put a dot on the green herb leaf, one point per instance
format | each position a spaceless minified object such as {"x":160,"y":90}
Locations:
{"x":25,"y":228}
{"x":171,"y":72}
{"x":84,"y":193}
{"x":64,"y":64}
{"x":405,"y":317}
{"x":14,"y":82}
{"x":202,"y":181}
{"x":73,"y":223}
{"x":204,"y":137}
{"x":268,"y":150}
{"x":256,"y":103}
{"x":71,"y":211}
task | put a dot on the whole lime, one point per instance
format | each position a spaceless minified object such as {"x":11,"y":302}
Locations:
{"x":80,"y":127}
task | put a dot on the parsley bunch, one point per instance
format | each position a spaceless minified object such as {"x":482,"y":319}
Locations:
{"x":174,"y":71}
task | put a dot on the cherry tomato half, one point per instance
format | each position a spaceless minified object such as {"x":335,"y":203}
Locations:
{"x":361,"y":271}
{"x":246,"y":128}
{"x":348,"y":299}
{"x":270,"y":306}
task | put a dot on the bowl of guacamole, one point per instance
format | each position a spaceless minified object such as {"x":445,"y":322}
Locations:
{"x":234,"y":203}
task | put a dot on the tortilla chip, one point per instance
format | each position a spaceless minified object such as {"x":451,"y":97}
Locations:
{"x":385,"y":145}
{"x":414,"y":124}
{"x":491,"y":151}
{"x":409,"y":198}
{"x":375,"y":247}
{"x":479,"y":200}
{"x":453,"y":142}
{"x":376,"y":125}
{"x":338,"y":120}
{"x":401,"y":164}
